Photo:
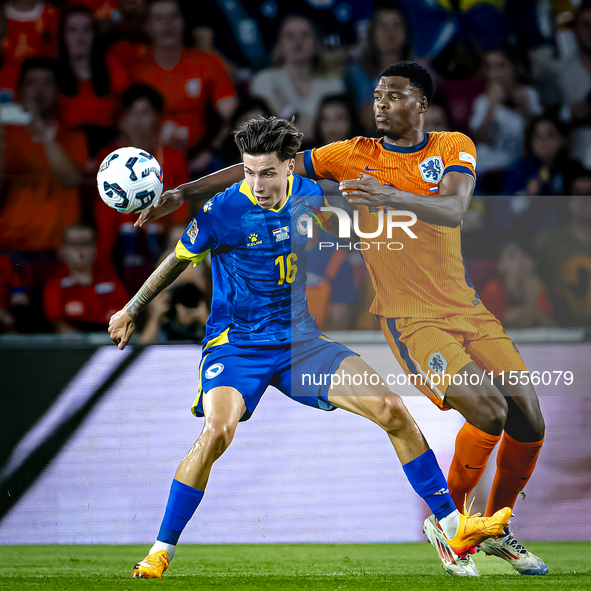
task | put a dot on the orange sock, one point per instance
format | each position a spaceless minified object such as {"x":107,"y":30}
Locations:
{"x":473,"y":448}
{"x":515,"y":464}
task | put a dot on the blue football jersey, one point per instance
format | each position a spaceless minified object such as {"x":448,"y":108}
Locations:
{"x":258,"y":259}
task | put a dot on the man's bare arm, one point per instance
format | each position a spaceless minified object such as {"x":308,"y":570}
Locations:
{"x":200,"y":190}
{"x":456,"y":187}
{"x":160,"y":279}
{"x":122,"y":323}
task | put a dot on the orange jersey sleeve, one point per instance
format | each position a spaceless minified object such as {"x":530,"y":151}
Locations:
{"x":329,"y":162}
{"x":459,"y":154}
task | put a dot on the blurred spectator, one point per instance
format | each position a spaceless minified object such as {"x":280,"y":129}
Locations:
{"x":388,"y":42}
{"x":181,"y":315}
{"x":188,"y":79}
{"x":89,"y":84}
{"x":437,"y":117}
{"x":543,"y":169}
{"x":139,"y":126}
{"x":41,"y":167}
{"x":534,"y":183}
{"x":564,"y":256}
{"x":9,"y":67}
{"x":82,"y":297}
{"x":249,"y":108}
{"x":336,"y":120}
{"x":102,"y":9}
{"x":574,"y":77}
{"x":13,"y":297}
{"x":297,"y":81}
{"x":517,"y":297}
{"x":126,"y":38}
{"x":500,"y":114}
{"x":31,"y":29}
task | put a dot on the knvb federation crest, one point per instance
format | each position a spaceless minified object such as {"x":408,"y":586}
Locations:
{"x":437,"y":363}
{"x":432,"y":169}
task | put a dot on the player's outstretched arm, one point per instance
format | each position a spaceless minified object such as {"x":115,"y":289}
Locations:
{"x":122,"y":323}
{"x":198,"y":191}
{"x":455,"y":188}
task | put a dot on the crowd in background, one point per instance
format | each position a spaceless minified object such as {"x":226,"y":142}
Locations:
{"x":80,"y":78}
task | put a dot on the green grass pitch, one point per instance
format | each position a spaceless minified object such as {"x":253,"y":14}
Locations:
{"x":404,"y":567}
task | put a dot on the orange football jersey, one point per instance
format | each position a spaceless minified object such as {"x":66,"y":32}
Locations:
{"x":426,"y":278}
{"x":198,"y":79}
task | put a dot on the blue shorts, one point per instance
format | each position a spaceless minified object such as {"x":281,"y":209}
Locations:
{"x":251,"y":368}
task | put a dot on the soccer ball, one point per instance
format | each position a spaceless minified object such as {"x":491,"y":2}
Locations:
{"x":129,"y":180}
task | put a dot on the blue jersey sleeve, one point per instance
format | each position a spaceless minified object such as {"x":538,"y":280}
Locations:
{"x":202,"y":234}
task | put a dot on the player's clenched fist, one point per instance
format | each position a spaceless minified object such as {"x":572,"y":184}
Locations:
{"x":121,"y":327}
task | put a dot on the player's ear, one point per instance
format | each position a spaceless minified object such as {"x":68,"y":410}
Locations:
{"x":423,"y":105}
{"x":291,"y":165}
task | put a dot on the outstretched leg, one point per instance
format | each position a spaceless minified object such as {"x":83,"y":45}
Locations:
{"x":223,"y":407}
{"x":379,"y":405}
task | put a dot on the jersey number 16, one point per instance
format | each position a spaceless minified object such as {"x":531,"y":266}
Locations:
{"x":287,"y":263}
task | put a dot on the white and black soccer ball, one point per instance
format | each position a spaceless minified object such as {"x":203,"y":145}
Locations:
{"x":129,"y":180}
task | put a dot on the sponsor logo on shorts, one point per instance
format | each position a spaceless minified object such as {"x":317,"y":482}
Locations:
{"x":215,"y":370}
{"x":437,"y":363}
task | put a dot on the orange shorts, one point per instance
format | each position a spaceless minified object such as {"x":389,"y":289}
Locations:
{"x":427,"y":346}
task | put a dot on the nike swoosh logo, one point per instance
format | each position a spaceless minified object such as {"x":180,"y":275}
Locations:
{"x":471,"y":468}
{"x":373,"y":169}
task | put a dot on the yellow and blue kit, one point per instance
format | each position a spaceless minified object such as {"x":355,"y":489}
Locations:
{"x":260,"y":332}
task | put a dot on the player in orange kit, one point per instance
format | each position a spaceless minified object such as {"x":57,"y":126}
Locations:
{"x":429,"y":311}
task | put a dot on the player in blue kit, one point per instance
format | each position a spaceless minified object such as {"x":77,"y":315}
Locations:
{"x":260,"y":333}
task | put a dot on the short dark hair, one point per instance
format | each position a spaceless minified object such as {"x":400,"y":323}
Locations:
{"x":552,"y":116}
{"x":417,"y":77}
{"x":37,"y":63}
{"x":268,"y":135}
{"x":137,"y":91}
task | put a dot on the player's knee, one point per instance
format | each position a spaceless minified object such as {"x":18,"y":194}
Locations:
{"x":219,"y":435}
{"x":390,"y":413}
{"x":537,"y":424}
{"x":492,"y":415}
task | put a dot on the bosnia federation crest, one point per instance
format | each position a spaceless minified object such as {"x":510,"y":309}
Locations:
{"x":215,"y":370}
{"x":304,"y":225}
{"x":193,"y":231}
{"x":432,"y":169}
{"x":437,"y":363}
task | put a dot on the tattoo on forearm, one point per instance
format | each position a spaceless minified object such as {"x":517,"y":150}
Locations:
{"x":159,"y":280}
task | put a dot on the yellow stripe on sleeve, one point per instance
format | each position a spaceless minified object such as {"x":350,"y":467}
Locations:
{"x":182,"y":254}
